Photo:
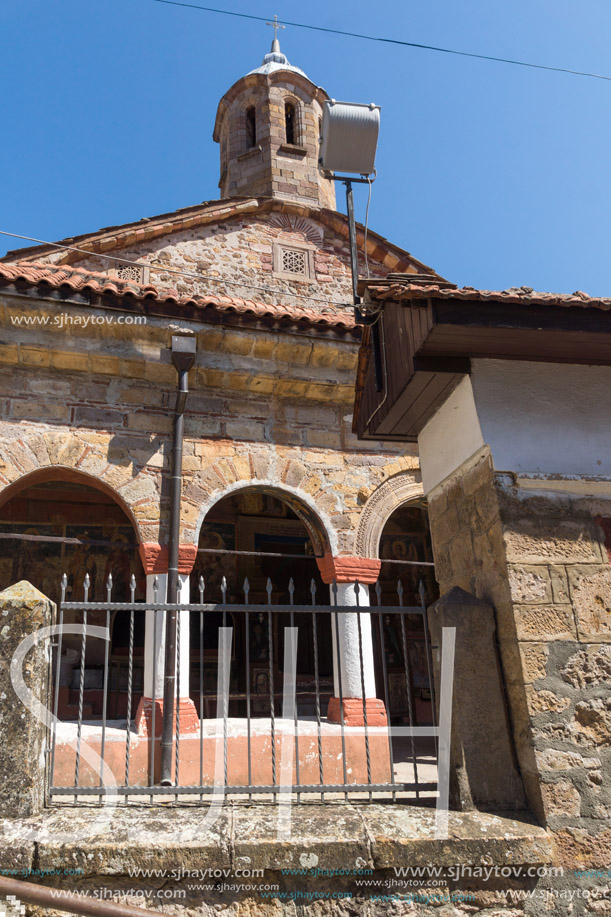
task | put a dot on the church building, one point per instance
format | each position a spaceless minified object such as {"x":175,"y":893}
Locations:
{"x":276,"y":488}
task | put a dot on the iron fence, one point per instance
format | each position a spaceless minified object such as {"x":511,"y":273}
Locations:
{"x":263,"y":729}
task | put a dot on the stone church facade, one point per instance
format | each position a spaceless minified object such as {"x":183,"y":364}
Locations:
{"x":262,"y":279}
{"x":277,"y":487}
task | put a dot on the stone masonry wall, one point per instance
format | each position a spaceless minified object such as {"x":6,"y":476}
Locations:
{"x":539,"y":557}
{"x":273,"y":167}
{"x":264,"y":407}
{"x":243,"y":250}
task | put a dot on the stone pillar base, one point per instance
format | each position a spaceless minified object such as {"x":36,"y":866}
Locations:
{"x":189,"y":720}
{"x":353,"y":711}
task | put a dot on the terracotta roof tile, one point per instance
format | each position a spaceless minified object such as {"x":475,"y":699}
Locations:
{"x":515,"y":295}
{"x":79,"y":279}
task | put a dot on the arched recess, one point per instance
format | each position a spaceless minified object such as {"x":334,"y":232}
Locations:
{"x":292,"y":121}
{"x":63,"y":473}
{"x":301,"y":504}
{"x":389,"y":496}
{"x":262,"y":534}
{"x":55,"y":521}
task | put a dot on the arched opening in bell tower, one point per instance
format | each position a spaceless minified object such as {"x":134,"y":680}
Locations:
{"x":290,"y":123}
{"x":251,"y":127}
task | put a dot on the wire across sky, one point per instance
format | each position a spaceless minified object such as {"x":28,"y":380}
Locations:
{"x":391,"y":41}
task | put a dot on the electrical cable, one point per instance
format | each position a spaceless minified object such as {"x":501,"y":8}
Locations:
{"x":367,"y":224}
{"x":392,"y":41}
{"x":169,"y":270}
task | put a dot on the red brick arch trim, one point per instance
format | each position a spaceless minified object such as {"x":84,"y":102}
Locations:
{"x":154,"y":557}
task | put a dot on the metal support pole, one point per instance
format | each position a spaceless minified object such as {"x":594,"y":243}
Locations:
{"x":183,"y":357}
{"x":354,"y":257}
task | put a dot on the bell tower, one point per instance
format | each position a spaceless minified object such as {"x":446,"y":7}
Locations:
{"x":268,"y":125}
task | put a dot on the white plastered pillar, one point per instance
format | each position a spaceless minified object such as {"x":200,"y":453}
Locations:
{"x":154,"y":637}
{"x":346,"y":641}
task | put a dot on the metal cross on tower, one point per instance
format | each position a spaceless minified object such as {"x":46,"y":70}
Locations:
{"x":275,"y":26}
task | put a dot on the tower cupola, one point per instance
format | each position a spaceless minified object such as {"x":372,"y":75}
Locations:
{"x":268,"y":128}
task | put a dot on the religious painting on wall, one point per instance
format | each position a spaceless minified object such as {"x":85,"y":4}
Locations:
{"x":216,"y":536}
{"x":100,"y":560}
{"x":38,"y":562}
{"x":43,"y":563}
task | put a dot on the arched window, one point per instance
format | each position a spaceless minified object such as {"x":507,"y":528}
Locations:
{"x":290,"y":123}
{"x":251,"y":127}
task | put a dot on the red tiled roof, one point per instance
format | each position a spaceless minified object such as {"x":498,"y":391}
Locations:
{"x":114,"y":238}
{"x":515,"y":295}
{"x":80,"y":280}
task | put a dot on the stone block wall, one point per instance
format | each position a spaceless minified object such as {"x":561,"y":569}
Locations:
{"x":264,"y":407}
{"x":242,"y":249}
{"x":272,"y":168}
{"x":536,"y":551}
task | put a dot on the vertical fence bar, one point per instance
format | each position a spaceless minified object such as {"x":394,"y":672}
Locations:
{"x":154,"y":699}
{"x":341,"y":691}
{"x":270,"y":651}
{"x":317,"y":686}
{"x":429,"y":658}
{"x":130,"y":672}
{"x":408,"y":686}
{"x":79,"y":728}
{"x":106,"y":674}
{"x":362,"y":665}
{"x":201,"y":687}
{"x":176,"y":752}
{"x":58,"y":662}
{"x":296,"y":718}
{"x":378,"y":592}
{"x":247,"y":629}
{"x":228,"y":682}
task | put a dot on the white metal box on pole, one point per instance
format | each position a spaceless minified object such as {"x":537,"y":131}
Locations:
{"x":349,"y":137}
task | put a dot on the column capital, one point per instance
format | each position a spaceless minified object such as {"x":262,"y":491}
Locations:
{"x":154,"y":557}
{"x":348,"y":569}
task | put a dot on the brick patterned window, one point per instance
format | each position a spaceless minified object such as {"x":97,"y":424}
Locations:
{"x":131,"y":272}
{"x":294,"y":261}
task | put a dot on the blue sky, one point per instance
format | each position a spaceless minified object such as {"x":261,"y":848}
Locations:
{"x":495,"y":175}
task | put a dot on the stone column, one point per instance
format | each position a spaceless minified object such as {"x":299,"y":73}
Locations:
{"x":346,"y":571}
{"x":483,"y":769}
{"x":23,"y":737}
{"x":155,"y":561}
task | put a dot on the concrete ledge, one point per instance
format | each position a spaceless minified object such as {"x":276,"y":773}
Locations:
{"x":347,"y":836}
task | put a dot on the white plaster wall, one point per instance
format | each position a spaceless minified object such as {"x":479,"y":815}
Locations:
{"x":544,"y":418}
{"x":450,"y":437}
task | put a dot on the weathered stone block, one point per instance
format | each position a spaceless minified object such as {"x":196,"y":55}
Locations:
{"x":108,"y":366}
{"x":560,"y":584}
{"x":530,"y":584}
{"x":483,"y":772}
{"x":589,"y":667}
{"x":551,"y":541}
{"x":147,"y":422}
{"x":551,"y":759}
{"x":561,"y":798}
{"x":23,"y":610}
{"x":534,"y":661}
{"x":98,"y":418}
{"x":73,"y":362}
{"x":545,"y":622}
{"x":50,"y":413}
{"x":545,"y":702}
{"x":591,"y":593}
{"x":592,"y":725}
